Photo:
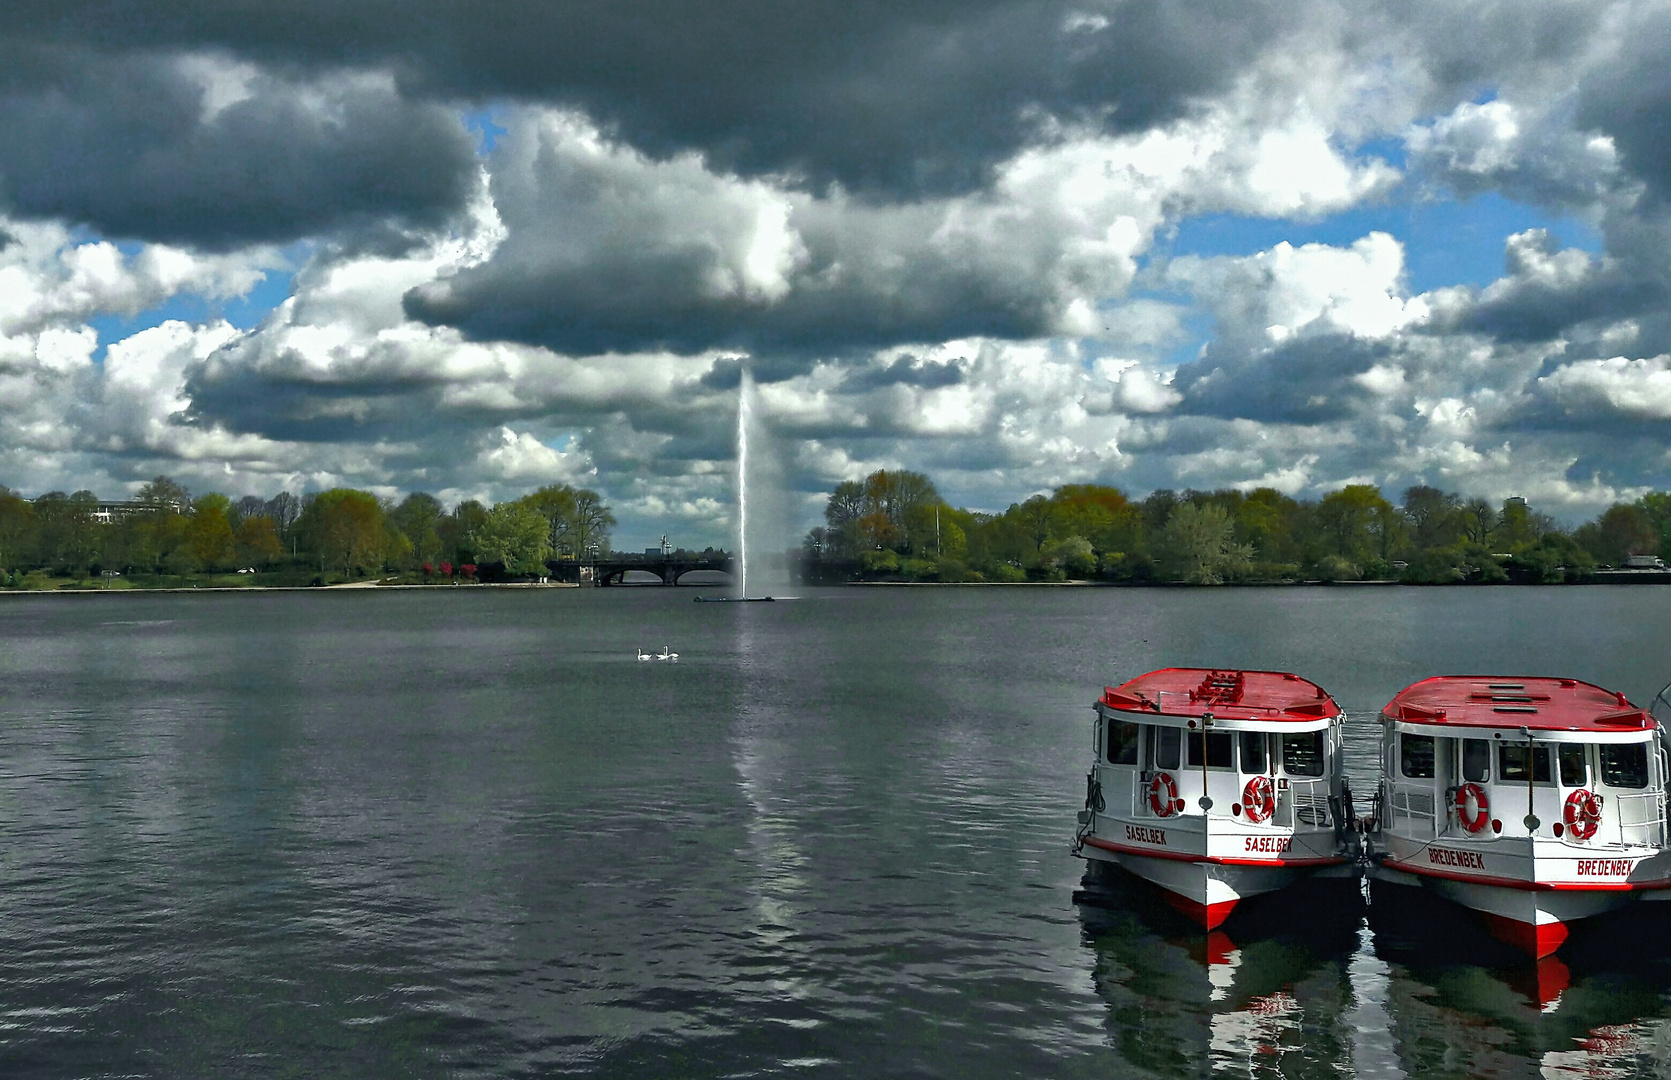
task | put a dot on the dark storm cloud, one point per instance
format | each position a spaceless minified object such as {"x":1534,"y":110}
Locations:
{"x":608,"y":252}
{"x":1550,"y":292}
{"x":905,"y":371}
{"x":1307,"y":380}
{"x":122,"y":142}
{"x":874,"y":94}
{"x":1630,"y":100}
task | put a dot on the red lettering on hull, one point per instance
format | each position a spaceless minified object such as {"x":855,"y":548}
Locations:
{"x":1468,"y":860}
{"x":1145,"y":835}
{"x":1603,"y":867}
{"x":1275,"y":845}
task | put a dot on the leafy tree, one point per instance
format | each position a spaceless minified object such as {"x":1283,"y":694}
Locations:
{"x":417,"y":517}
{"x":456,"y":526}
{"x":592,"y":522}
{"x":257,"y":541}
{"x":210,"y":531}
{"x":1478,"y":519}
{"x":1198,"y":544}
{"x":17,"y":528}
{"x":514,"y":534}
{"x":165,"y":495}
{"x":1656,"y":507}
{"x":1518,"y":527}
{"x":1434,"y":516}
{"x":344,"y":528}
{"x":1356,"y":523}
{"x":1622,"y":529}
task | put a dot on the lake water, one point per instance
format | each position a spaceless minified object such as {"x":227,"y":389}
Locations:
{"x":468,"y":833}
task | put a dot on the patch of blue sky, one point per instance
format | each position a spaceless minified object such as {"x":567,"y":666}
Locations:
{"x":1446,"y":242}
{"x":244,"y":312}
{"x":481,"y":122}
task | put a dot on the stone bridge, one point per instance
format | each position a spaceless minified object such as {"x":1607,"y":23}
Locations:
{"x":612,"y":569}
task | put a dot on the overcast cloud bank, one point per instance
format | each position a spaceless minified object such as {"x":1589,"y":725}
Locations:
{"x":954,"y":238}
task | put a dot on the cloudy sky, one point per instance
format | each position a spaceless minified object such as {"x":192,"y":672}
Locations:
{"x":473,"y":248}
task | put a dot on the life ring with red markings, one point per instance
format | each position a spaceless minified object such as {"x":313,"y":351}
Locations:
{"x":1163,"y":795}
{"x":1473,"y":809}
{"x":1259,"y":799}
{"x":1582,"y":814}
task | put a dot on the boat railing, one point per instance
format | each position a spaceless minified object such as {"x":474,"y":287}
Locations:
{"x":1305,"y":805}
{"x":1416,"y":806}
{"x":1642,"y":818}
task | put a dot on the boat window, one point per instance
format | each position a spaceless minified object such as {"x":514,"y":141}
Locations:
{"x":1253,"y":752}
{"x":1302,"y":755}
{"x":1624,"y":765}
{"x":1511,"y":763}
{"x":1476,"y":760}
{"x":1166,"y":747}
{"x":1122,"y":743}
{"x":1219,"y":746}
{"x":1570,"y":756}
{"x":1415,"y":756}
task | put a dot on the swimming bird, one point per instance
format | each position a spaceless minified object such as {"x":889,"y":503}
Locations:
{"x":666,"y":655}
{"x":642,"y":655}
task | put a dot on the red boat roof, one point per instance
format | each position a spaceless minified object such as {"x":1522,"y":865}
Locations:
{"x":1228,"y":694}
{"x":1537,"y":704}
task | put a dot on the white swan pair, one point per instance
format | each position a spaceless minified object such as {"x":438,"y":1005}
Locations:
{"x":665,"y":654}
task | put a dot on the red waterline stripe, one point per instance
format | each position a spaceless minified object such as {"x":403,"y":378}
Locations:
{"x":1179,"y":856}
{"x":1529,"y":886}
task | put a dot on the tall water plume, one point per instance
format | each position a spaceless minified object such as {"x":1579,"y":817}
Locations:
{"x":745,"y":416}
{"x":762,"y":514}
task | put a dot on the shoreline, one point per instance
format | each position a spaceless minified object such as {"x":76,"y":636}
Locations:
{"x":1617,"y":578}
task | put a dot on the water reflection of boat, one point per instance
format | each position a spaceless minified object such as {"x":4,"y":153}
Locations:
{"x":1535,"y":802}
{"x":1183,"y":1002}
{"x":1216,"y":785}
{"x":1458,"y":997}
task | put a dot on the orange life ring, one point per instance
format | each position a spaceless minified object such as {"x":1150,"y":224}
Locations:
{"x":1169,"y":804}
{"x":1582,"y":814}
{"x":1475,"y":821}
{"x":1259,"y":799}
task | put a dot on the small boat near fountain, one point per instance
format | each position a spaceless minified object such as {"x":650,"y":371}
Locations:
{"x":1535,"y":802}
{"x":1217,"y":786}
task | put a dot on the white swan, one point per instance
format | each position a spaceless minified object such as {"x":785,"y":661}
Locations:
{"x":642,"y":655}
{"x":666,"y":655}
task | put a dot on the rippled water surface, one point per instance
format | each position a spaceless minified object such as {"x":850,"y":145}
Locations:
{"x":469,"y":833}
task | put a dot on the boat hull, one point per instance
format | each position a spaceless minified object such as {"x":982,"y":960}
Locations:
{"x":1528,"y":896}
{"x":1203,"y":889}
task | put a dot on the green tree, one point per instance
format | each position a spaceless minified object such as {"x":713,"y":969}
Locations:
{"x":1434,"y":516}
{"x":1354,"y":522}
{"x":1656,"y":507}
{"x":1622,"y":529}
{"x":344,"y":528}
{"x":1198,"y":545}
{"x":17,"y":529}
{"x":417,"y":517}
{"x":210,"y":531}
{"x":514,"y":534}
{"x":257,"y":541}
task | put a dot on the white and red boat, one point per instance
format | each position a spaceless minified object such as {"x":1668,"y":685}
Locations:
{"x":1533,"y":801}
{"x":1216,"y":785}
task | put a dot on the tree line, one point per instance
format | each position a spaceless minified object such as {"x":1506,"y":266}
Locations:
{"x":894,"y":524}
{"x":166,"y":531}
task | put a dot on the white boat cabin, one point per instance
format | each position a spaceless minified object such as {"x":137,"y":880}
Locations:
{"x":1482,"y":759}
{"x":1262,"y":747}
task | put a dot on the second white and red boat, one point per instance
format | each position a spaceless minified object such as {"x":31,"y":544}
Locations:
{"x":1534,"y":801}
